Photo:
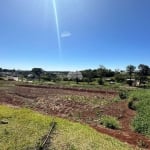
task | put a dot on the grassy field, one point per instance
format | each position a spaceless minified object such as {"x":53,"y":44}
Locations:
{"x":25,"y":128}
{"x":140,"y":101}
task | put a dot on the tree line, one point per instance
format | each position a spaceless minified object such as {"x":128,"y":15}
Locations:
{"x":131,"y":74}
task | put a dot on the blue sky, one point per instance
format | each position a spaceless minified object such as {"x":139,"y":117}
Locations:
{"x":113,"y":33}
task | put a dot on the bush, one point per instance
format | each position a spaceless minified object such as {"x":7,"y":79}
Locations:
{"x":116,"y":99}
{"x":110,"y":122}
{"x":133,"y":103}
{"x":120,"y":78}
{"x":130,"y":82}
{"x":100,"y":81}
{"x":65,"y":79}
{"x":123,"y":94}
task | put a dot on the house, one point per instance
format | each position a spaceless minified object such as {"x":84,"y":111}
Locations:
{"x":11,"y":78}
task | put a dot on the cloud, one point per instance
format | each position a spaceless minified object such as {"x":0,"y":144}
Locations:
{"x":65,"y":34}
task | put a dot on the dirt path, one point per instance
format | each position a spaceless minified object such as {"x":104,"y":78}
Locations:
{"x":69,"y":88}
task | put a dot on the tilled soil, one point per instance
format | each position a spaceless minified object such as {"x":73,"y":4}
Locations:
{"x":53,"y":101}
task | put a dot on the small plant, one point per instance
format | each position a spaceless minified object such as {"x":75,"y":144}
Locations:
{"x":133,"y":104}
{"x":110,"y":122}
{"x":116,"y":99}
{"x":123,"y":94}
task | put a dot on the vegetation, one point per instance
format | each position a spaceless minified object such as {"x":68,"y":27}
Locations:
{"x":37,"y":72}
{"x":100,"y":81}
{"x":25,"y":128}
{"x":88,"y":76}
{"x":100,"y":75}
{"x":140,"y":101}
{"x":123,"y":94}
{"x":82,"y":138}
{"x":130,"y":70}
{"x":110,"y":122}
{"x":94,"y":100}
{"x":133,"y":103}
{"x":144,"y":71}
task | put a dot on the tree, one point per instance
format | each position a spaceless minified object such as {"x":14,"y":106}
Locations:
{"x":143,"y":72}
{"x":94,"y":73}
{"x":120,"y":77}
{"x":51,"y":77}
{"x":102,"y":71}
{"x":130,"y":70}
{"x":37,"y":72}
{"x":87,"y":74}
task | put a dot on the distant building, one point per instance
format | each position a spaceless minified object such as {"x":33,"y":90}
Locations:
{"x":11,"y":78}
{"x":75,"y":75}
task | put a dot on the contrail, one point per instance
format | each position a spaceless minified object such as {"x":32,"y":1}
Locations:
{"x":57,"y":28}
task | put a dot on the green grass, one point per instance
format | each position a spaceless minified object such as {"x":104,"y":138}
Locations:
{"x":74,"y":136}
{"x":110,"y":122}
{"x":25,"y":128}
{"x":140,"y":101}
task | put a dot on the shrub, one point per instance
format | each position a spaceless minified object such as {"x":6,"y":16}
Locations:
{"x":130,"y":82}
{"x":123,"y":94}
{"x":133,"y":103}
{"x":65,"y":79}
{"x":116,"y":99}
{"x":120,"y":78}
{"x":100,"y":81}
{"x":110,"y":122}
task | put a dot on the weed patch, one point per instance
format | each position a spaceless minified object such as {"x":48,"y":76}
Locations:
{"x":110,"y":122}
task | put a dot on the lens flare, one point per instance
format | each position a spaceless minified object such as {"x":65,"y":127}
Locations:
{"x":57,"y":28}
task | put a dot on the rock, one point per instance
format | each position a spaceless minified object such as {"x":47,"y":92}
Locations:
{"x":4,"y":121}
